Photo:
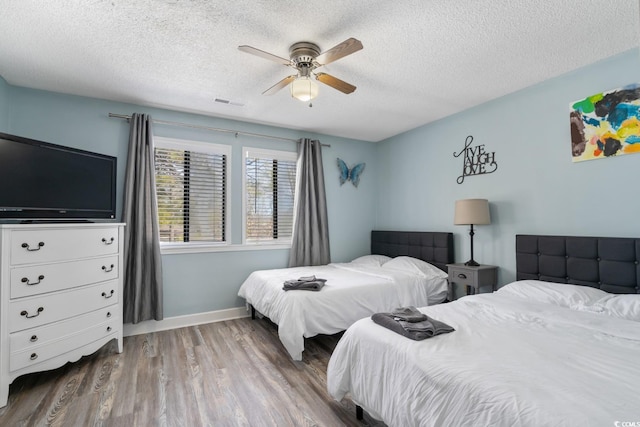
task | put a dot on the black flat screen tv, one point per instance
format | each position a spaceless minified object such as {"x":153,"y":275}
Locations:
{"x":44,"y":181}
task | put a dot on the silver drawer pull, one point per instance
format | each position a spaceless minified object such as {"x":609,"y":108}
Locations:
{"x":25,"y":313}
{"x":108,"y":314}
{"x":33,"y":338}
{"x":104,"y":294}
{"x":108,"y":328}
{"x":26,"y":246}
{"x":104,"y":268}
{"x":108,"y":242}
{"x":26,"y":281}
{"x":462,"y":276}
{"x":34,"y":356}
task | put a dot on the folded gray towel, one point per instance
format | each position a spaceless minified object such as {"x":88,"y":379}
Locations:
{"x":310,"y":283}
{"x":429,"y":326}
{"x":417,"y":330}
{"x":409,"y":314}
{"x":303,"y":279}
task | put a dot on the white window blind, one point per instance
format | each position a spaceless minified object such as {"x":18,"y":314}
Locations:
{"x":269,"y":189}
{"x":191,"y":188}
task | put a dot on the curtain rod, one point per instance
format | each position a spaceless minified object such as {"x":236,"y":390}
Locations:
{"x":186,"y":125}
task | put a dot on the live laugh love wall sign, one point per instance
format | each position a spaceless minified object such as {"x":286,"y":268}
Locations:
{"x":475,"y":160}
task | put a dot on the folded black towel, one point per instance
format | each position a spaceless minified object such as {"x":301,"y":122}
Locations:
{"x":307,"y":283}
{"x":414,"y":330}
{"x":409,"y":314}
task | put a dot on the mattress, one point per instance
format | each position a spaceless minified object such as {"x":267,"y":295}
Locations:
{"x":351,"y":292}
{"x":512,"y":361}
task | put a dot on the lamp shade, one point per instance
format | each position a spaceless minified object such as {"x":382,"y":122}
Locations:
{"x":472,"y":211}
{"x":304,"y":88}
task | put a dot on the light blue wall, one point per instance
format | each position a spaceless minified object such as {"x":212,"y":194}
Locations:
{"x":536,"y":189}
{"x":195,"y":283}
{"x":3,"y":105}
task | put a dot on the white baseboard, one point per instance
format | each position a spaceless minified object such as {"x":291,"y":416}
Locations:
{"x":184,"y":321}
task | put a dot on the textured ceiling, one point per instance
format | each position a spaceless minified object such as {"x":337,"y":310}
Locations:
{"x":422,"y":59}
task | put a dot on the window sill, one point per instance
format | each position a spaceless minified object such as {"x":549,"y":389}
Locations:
{"x":171,"y":249}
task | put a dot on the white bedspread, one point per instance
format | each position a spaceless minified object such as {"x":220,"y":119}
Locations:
{"x":350,"y":293}
{"x":509,"y":363}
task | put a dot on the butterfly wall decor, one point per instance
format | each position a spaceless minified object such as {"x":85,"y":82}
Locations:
{"x":350,"y":174}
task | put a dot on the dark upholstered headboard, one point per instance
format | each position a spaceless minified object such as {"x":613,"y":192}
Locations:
{"x":607,"y":263}
{"x":434,"y":247}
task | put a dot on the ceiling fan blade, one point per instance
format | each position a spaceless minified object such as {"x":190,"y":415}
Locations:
{"x":335,"y":83}
{"x":282,"y":83}
{"x":345,"y":48}
{"x":265,"y":55}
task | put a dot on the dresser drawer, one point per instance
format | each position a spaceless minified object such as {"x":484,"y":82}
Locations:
{"x":462,"y":276}
{"x":35,"y":337}
{"x":43,"y":278}
{"x":25,"y":313}
{"x":32,"y":356}
{"x":47,"y":245}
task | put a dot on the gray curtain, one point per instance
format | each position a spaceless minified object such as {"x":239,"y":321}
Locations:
{"x":310,"y":242}
{"x":142,"y":262}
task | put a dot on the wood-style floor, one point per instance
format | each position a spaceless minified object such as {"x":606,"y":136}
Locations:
{"x":233,"y":373}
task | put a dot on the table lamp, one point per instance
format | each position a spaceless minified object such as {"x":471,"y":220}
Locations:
{"x":472,"y":212}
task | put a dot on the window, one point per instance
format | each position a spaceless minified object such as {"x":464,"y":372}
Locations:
{"x":191,"y":187}
{"x":269,"y":189}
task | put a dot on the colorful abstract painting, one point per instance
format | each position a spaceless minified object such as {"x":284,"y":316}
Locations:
{"x":606,"y":124}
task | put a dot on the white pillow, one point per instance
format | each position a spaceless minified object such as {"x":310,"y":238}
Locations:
{"x":565,"y":295}
{"x":625,"y":306}
{"x":414,"y":265}
{"x":373,"y":260}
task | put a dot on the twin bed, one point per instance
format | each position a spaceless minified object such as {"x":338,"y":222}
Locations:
{"x":405,"y":268}
{"x":560,"y":346}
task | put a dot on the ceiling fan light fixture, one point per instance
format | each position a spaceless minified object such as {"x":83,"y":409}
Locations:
{"x":304,"y":88}
{"x":305,"y":57}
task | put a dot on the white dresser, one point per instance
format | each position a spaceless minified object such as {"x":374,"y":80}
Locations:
{"x":60,"y":295}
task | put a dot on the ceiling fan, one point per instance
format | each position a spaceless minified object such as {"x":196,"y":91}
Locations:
{"x":305,"y":57}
